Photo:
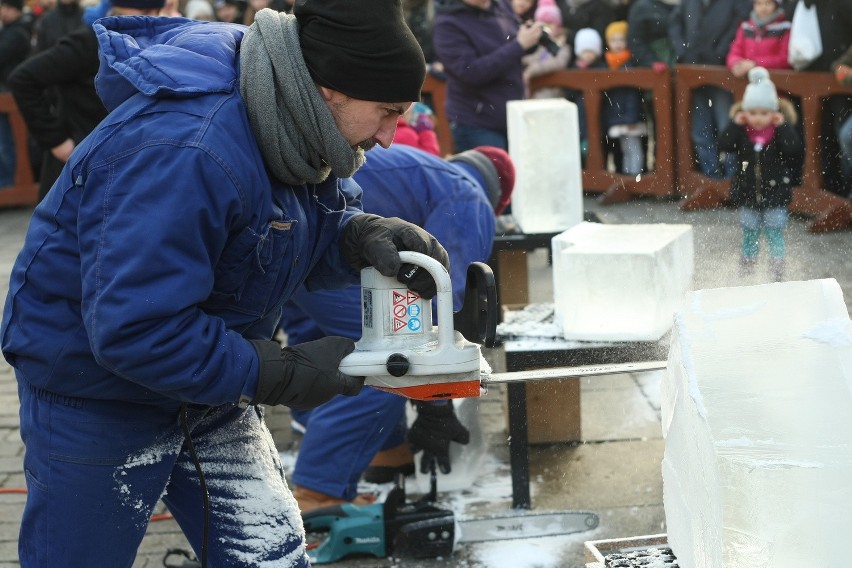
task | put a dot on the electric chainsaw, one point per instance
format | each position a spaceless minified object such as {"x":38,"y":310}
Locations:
{"x":402,"y":352}
{"x":421,"y":529}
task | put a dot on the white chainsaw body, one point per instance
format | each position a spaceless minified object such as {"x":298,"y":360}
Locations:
{"x":397,"y":326}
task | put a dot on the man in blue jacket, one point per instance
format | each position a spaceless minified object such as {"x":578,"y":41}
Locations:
{"x":141,"y":309}
{"x":455,"y":200}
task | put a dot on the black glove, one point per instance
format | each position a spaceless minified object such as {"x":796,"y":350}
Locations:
{"x":304,"y":376}
{"x":370,"y":240}
{"x":434,"y":428}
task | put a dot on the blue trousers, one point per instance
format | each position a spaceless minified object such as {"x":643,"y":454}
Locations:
{"x":96,"y":469}
{"x":332,"y":458}
{"x":7,"y":152}
{"x":709,"y":115}
{"x":469,"y":137}
{"x":844,"y":138}
{"x":772,"y":222}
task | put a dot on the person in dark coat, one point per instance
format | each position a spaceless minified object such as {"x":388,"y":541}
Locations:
{"x":842,"y":69}
{"x":701,"y":32}
{"x":55,"y":92}
{"x":15,"y":34}
{"x":480,"y":45}
{"x":768,"y":149}
{"x":835,"y":27}
{"x":63,"y":19}
{"x":648,"y":33}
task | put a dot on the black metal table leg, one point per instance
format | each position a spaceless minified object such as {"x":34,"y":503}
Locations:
{"x":519,"y":446}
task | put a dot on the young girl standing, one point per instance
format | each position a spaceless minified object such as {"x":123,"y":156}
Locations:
{"x":768,"y":149}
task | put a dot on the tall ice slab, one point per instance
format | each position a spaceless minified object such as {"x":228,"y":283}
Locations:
{"x":757,"y":419}
{"x":544,"y":143}
{"x":620,"y":282}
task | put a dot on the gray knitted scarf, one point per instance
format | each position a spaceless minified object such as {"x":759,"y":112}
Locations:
{"x":294,"y":128}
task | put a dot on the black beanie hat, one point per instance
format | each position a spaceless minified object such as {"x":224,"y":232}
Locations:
{"x":19,"y":4}
{"x":362,"y":48}
{"x":139,"y":4}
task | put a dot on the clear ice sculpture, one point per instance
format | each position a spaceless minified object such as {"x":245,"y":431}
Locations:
{"x":620,"y":282}
{"x":757,"y":420}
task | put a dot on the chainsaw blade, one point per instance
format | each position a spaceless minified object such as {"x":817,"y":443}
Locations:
{"x":524,"y":525}
{"x":572,"y":372}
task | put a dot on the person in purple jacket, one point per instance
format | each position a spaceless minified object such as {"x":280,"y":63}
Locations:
{"x":480,"y":44}
{"x":455,"y":200}
{"x":142,"y":307}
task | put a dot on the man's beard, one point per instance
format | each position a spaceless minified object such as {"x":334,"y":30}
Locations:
{"x":365,"y":144}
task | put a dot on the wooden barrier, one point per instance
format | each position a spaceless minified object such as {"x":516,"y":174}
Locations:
{"x":829,"y":211}
{"x":24,"y":190}
{"x":594,"y":83}
{"x":674,"y":173}
{"x":435,"y":90}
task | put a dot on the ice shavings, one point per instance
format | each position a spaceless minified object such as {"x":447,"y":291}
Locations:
{"x":518,"y":554}
{"x":689,"y":366}
{"x":152,"y":455}
{"x":534,"y":320}
{"x":836,"y":332}
{"x":263,"y":516}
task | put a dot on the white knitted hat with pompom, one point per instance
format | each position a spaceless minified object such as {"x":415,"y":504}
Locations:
{"x":760,"y":92}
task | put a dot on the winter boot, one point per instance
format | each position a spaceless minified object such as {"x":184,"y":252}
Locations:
{"x":776,"y":269}
{"x":309,"y":499}
{"x":387,"y":464}
{"x":747,"y":264}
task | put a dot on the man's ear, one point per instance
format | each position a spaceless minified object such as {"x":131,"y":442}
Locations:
{"x":329,"y":95}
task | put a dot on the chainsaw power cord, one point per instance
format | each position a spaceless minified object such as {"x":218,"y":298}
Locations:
{"x":204,"y":494}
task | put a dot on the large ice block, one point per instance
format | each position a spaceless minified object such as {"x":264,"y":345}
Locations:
{"x":544,"y":143}
{"x":620,"y":282}
{"x":757,"y":419}
{"x":466,"y":460}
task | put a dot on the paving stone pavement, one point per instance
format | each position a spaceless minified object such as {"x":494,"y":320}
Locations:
{"x":615,"y":472}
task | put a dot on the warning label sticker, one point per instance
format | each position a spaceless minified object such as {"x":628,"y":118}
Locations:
{"x":406,"y":318}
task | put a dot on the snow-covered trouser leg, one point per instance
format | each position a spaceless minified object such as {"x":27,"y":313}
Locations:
{"x":95,"y":470}
{"x":254,"y":519}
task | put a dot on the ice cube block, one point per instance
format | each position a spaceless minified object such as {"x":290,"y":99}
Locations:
{"x":466,"y":460}
{"x":757,"y":421}
{"x":620,"y":282}
{"x":544,"y":143}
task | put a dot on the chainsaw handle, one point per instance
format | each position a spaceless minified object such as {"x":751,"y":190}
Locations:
{"x":446,"y":332}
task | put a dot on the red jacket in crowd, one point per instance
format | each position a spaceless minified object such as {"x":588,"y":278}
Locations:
{"x":766,"y":45}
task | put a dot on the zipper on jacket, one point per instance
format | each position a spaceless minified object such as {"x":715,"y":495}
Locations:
{"x":758,"y":181}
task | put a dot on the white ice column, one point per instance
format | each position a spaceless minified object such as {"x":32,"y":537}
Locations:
{"x":544,"y":143}
{"x":620,"y":282}
{"x":757,"y":419}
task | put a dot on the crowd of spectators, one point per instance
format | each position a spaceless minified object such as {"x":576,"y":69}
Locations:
{"x":737,"y":34}
{"x":488,"y":50}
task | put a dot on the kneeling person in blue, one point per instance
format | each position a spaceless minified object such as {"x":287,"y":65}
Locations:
{"x":455,"y":200}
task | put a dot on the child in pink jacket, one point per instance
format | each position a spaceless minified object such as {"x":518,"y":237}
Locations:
{"x":762,"y":40}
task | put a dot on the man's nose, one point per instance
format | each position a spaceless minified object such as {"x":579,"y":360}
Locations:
{"x":386,"y":133}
